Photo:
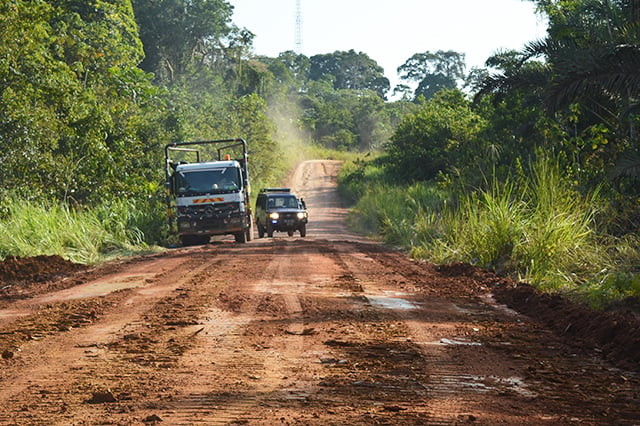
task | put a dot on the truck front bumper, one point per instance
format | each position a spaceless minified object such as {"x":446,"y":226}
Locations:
{"x":211,"y":220}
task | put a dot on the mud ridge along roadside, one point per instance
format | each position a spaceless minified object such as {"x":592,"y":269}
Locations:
{"x":327,"y":329}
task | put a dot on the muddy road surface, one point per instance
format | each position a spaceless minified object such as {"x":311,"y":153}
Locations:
{"x":330,"y":329}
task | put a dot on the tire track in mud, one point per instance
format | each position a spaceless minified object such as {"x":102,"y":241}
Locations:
{"x":448,"y":396}
{"x":459,"y":336}
{"x":261,"y":370}
{"x":64,"y":371}
{"x":221,"y":354}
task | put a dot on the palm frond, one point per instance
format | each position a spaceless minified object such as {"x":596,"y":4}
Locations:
{"x":532,"y":78}
{"x":615,"y":75}
{"x":628,"y":165}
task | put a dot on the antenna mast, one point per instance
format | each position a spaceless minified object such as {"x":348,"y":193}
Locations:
{"x":298,"y":34}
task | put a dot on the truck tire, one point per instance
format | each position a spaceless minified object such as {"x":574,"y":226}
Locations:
{"x":241,"y":237}
{"x":303,"y":230}
{"x":250,"y":230}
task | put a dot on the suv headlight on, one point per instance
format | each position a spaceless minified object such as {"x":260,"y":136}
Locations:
{"x":302,"y":215}
{"x":274,"y":215}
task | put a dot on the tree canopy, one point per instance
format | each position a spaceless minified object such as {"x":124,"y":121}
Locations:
{"x":179,"y":34}
{"x":349,"y":70}
{"x":585,"y":73}
{"x":433,"y":71}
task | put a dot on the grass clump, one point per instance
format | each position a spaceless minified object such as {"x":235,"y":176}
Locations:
{"x":533,"y":227}
{"x":82,"y":235}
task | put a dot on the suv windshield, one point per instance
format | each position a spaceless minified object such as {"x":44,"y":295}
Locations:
{"x":214,"y":181}
{"x":289,"y":202}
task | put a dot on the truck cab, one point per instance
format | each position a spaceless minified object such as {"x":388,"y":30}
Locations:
{"x":206,"y":198}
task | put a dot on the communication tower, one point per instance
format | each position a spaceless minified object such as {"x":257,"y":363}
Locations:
{"x":298,"y":34}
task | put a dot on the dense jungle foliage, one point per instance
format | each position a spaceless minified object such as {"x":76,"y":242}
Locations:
{"x":533,"y":169}
{"x":92,"y":90}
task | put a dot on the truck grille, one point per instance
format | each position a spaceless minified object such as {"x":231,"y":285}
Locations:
{"x":210,"y":210}
{"x":210,"y":217}
{"x":288,"y":216}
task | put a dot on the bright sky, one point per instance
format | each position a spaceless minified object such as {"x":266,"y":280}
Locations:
{"x":390,"y":32}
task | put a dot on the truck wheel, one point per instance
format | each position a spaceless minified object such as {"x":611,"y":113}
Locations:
{"x":269,"y":230}
{"x":249,"y":231}
{"x":260,"y":231}
{"x":241,"y":237}
{"x":290,"y":233}
{"x":303,"y":230}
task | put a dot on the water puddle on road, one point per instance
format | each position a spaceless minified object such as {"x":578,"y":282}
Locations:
{"x":490,"y":300}
{"x":391,"y":302}
{"x":488,"y":384}
{"x":460,"y":342}
{"x":451,"y":342}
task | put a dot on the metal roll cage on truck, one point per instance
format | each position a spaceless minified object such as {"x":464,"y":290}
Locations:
{"x":211,"y":197}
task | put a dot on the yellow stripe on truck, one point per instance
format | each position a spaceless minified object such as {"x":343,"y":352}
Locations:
{"x":207,"y":200}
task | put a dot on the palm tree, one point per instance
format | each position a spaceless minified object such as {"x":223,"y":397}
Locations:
{"x":591,"y":57}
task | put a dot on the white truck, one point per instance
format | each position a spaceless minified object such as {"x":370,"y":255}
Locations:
{"x":208,"y":197}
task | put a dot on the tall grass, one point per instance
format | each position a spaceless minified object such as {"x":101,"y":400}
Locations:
{"x":533,"y":227}
{"x":401,"y":216}
{"x":81,"y":235}
{"x":482,"y":228}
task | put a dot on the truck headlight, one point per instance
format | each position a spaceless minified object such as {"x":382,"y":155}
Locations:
{"x":302,"y":215}
{"x":274,"y":215}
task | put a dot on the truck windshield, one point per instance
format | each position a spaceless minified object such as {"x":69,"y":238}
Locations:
{"x":211,"y":181}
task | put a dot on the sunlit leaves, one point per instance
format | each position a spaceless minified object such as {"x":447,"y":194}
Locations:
{"x":349,"y":70}
{"x":69,"y":99}
{"x":435,"y":138}
{"x":433,"y":71}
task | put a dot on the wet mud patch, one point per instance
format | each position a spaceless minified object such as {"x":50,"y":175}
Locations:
{"x":376,"y":371}
{"x":615,"y":335}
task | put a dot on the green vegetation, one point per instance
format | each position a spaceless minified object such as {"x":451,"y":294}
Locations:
{"x":81,"y":235}
{"x":537,"y":176}
{"x":92,"y":91}
{"x":533,"y":227}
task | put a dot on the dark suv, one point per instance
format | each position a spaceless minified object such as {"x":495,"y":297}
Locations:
{"x":277,"y":209}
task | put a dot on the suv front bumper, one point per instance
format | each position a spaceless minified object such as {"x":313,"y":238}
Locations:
{"x":289,"y":221}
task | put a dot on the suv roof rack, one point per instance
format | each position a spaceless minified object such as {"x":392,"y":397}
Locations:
{"x":275,"y":190}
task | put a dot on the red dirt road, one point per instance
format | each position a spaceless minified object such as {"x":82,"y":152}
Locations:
{"x":325,"y":330}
